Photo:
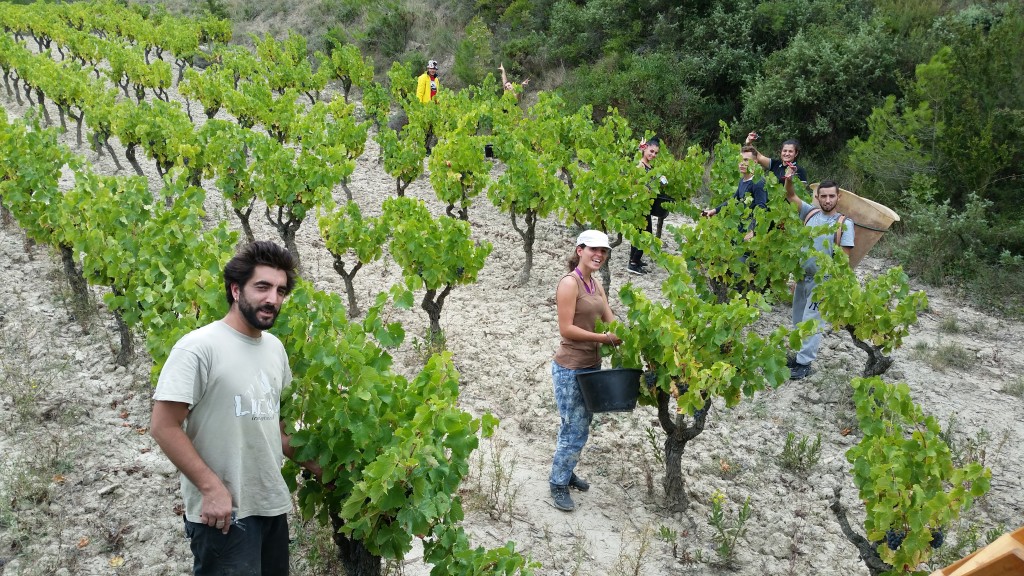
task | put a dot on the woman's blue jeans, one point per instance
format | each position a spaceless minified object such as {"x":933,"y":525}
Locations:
{"x":575,"y":429}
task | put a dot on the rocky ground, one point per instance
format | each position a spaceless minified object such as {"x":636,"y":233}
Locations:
{"x":85,"y":490}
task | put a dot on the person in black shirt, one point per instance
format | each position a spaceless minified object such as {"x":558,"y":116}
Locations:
{"x":790,"y":150}
{"x":747,"y":186}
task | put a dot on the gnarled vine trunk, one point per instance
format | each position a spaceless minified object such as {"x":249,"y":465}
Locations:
{"x":877,"y":362}
{"x":350,"y":288}
{"x":432,"y":303}
{"x":529,"y":234}
{"x":356,"y":559}
{"x":677,"y":434}
{"x":73,"y":271}
{"x":129,"y":153}
{"x":127,"y":350}
{"x":287,"y":227}
{"x":868,"y":552}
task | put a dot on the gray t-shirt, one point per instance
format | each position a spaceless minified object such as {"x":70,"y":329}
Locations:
{"x":232,"y":384}
{"x":824,"y":242}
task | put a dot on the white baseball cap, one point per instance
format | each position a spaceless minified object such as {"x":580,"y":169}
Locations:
{"x":593,"y":238}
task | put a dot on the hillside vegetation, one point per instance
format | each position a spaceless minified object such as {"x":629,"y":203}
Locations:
{"x":915,"y":104}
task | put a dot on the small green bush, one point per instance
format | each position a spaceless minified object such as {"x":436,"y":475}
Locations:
{"x":945,"y":246}
{"x":952,"y":355}
{"x":473,"y":56}
{"x":800,"y":455}
{"x":388,"y":27}
{"x":1014,"y":387}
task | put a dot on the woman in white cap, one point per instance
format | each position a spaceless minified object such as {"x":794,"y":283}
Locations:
{"x":580,"y":300}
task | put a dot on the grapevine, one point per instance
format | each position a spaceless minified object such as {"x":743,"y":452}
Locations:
{"x":346,"y":231}
{"x":877,"y":315}
{"x":905,"y":474}
{"x":435,"y":254}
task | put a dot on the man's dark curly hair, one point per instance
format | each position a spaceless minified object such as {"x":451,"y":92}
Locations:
{"x":239,"y":269}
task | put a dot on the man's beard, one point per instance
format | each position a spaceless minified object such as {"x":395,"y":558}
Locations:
{"x":249,"y":312}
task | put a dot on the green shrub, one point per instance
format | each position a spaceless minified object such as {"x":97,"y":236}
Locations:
{"x":1014,"y":387}
{"x":952,"y":355}
{"x":473,"y":56}
{"x":343,"y":12}
{"x":800,"y":455}
{"x":944,"y":246}
{"x":940,"y":243}
{"x":388,"y":27}
{"x":822,"y":85}
{"x":651,"y":90}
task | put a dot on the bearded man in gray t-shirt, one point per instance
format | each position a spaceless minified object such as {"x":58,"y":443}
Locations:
{"x":217,"y":417}
{"x":804,"y":305}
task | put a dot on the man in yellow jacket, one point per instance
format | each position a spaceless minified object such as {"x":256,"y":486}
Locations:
{"x":429,"y":83}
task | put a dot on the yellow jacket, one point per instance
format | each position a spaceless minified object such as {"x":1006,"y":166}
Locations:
{"x":423,"y":87}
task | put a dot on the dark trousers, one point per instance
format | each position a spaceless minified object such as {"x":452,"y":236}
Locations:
{"x":636,"y":254}
{"x":254,"y":546}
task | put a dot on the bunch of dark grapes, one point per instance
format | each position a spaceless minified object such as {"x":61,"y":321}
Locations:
{"x":938,"y":537}
{"x":700,"y":413}
{"x":651,"y":378}
{"x":894,"y":538}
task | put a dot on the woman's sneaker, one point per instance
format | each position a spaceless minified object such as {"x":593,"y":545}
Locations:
{"x":578,"y":483}
{"x":800,"y":371}
{"x":637,"y":269}
{"x":561,"y":499}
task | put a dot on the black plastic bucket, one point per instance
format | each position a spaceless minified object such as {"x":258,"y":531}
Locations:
{"x":614,"y":390}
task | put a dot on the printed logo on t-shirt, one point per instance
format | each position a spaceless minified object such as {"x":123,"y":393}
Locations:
{"x":262,"y":402}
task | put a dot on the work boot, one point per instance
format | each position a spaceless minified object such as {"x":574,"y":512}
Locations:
{"x":578,"y":483}
{"x":800,"y":371}
{"x":561,"y":498}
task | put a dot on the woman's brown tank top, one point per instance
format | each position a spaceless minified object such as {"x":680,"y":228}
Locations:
{"x":576,"y":354}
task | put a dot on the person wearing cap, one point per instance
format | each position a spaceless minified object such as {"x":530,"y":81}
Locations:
{"x":580,"y":301}
{"x":787,"y":157}
{"x":429,"y":83}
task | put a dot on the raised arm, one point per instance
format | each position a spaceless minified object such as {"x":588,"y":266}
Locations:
{"x":504,"y":77}
{"x":761,"y":159}
{"x":790,"y":192}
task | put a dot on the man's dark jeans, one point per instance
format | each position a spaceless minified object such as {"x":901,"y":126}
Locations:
{"x":254,"y":546}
